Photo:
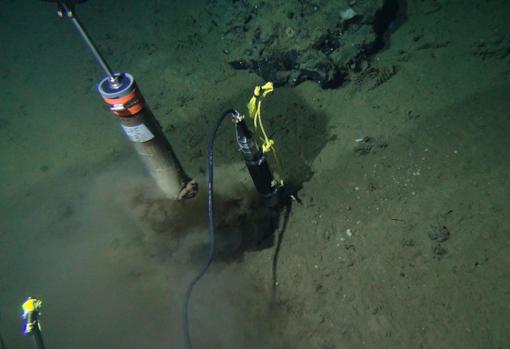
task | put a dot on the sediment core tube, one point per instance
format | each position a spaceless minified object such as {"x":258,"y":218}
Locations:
{"x":144,"y":131}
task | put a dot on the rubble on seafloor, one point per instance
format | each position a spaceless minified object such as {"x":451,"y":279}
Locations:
{"x":291,"y":41}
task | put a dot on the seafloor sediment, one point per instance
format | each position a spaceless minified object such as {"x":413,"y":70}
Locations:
{"x":401,"y":236}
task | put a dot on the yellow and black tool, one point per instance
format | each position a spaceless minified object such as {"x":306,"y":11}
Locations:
{"x":266,"y":183}
{"x":32,"y":325}
{"x":256,"y":163}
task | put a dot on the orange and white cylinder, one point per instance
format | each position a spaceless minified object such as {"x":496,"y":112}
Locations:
{"x":141,"y":127}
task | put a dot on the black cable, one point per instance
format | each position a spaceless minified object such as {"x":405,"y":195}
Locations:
{"x":210,"y":206}
{"x":2,"y":343}
{"x":281,"y":228}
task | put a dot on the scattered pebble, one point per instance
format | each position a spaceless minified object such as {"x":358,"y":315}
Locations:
{"x":439,"y":233}
{"x":348,"y":14}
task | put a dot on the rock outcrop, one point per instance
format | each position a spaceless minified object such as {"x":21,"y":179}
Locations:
{"x":290,"y":41}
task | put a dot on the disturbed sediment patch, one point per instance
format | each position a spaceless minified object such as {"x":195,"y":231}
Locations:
{"x":291,"y":41}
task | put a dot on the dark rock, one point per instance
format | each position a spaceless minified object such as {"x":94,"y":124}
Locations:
{"x":498,"y":48}
{"x":439,"y":233}
{"x":291,"y":41}
{"x":239,"y":64}
{"x":369,"y":145}
{"x":364,"y":148}
{"x":438,"y":251}
{"x":373,"y":77}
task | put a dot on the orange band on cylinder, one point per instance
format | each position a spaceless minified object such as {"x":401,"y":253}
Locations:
{"x":120,"y":106}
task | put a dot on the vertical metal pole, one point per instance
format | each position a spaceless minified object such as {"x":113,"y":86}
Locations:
{"x":99,"y":58}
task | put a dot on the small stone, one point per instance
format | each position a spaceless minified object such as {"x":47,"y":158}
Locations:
{"x":347,"y":14}
{"x":439,"y":251}
{"x":439,"y":233}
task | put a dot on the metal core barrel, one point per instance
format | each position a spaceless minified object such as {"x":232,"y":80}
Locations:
{"x":143,"y":130}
